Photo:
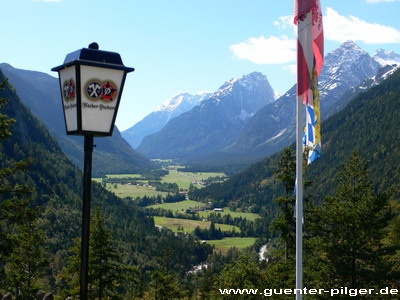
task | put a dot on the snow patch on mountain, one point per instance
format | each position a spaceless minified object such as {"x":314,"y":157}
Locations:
{"x":180,"y":98}
{"x":384,"y":57}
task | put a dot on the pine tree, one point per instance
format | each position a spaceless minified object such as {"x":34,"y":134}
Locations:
{"x":164,"y":285}
{"x":108,"y":277}
{"x":105,"y":270}
{"x":350,"y":247}
{"x":242,"y":273}
{"x":5,"y":122}
{"x":27,"y":260}
{"x":22,"y":252}
{"x":285,"y":224}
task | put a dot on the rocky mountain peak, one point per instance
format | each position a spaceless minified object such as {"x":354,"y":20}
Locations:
{"x":254,"y":82}
{"x":344,"y":68}
{"x":384,"y":57}
{"x":183,"y":98}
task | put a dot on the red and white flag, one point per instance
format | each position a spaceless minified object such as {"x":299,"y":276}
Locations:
{"x":310,"y":58}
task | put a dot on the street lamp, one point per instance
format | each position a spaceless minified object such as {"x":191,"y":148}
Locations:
{"x":91,"y":83}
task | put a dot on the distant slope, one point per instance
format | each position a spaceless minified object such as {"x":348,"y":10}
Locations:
{"x":156,"y":120}
{"x":368,"y":124}
{"x":41,"y":93}
{"x":213,"y":124}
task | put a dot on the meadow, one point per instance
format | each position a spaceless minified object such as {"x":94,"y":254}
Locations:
{"x":184,"y":205}
{"x":234,"y":214}
{"x":182,"y":179}
{"x":225,"y":244}
{"x":188,"y":226}
{"x":178,"y":206}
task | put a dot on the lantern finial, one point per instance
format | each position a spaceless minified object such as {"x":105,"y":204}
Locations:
{"x":94,"y":46}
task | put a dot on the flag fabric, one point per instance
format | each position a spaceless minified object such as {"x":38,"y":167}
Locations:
{"x":310,"y":58}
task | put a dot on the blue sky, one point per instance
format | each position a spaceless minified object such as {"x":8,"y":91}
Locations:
{"x":184,"y":45}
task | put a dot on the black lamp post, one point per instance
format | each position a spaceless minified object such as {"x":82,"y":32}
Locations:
{"x":91,"y":82}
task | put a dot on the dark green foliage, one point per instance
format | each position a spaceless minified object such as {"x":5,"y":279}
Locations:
{"x":348,"y":240}
{"x":351,"y":238}
{"x":164,"y":285}
{"x":107,"y":274}
{"x":41,"y":93}
{"x":5,"y":122}
{"x":58,"y":185}
{"x":167,"y":187}
{"x":346,"y":244}
{"x":369,"y":124}
{"x":285,"y":223}
{"x":26,"y":262}
{"x":22,"y":239}
{"x":242,"y":273}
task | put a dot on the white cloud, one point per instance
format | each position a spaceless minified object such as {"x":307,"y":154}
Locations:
{"x":272,"y":50}
{"x":340,"y":28}
{"x":291,"y":68}
{"x":379,"y":1}
{"x":285,"y":22}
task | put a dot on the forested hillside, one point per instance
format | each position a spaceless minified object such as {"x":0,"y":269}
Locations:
{"x":40,"y":92}
{"x":369,"y":124}
{"x":351,"y":220}
{"x":52,"y":187}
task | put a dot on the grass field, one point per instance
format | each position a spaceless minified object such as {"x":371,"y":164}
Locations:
{"x":225,"y":244}
{"x":124,"y":175}
{"x":182,"y":179}
{"x":178,"y":206}
{"x":184,"y":205}
{"x":125,"y":190}
{"x":189,"y":225}
{"x":234,"y":214}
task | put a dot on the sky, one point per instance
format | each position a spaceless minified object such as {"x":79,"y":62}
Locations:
{"x":184,"y":45}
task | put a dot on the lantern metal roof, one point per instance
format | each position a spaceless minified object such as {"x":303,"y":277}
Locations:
{"x":94,"y":57}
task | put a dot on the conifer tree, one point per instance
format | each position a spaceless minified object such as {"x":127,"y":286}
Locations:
{"x":105,"y":261}
{"x":108,"y":277}
{"x":243,"y":273}
{"x":164,"y":285}
{"x":22,"y":252}
{"x":285,"y":224}
{"x":351,"y":252}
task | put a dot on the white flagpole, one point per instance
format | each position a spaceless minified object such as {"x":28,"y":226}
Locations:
{"x":309,"y":29}
{"x":299,"y":198}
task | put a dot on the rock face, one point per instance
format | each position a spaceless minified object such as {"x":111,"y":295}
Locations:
{"x":213,"y":124}
{"x":155,"y":121}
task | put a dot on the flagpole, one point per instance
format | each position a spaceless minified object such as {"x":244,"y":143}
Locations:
{"x":299,"y":198}
{"x":310,"y":58}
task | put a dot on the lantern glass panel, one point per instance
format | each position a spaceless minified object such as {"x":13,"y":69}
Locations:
{"x":69,"y":97}
{"x":100,"y":93}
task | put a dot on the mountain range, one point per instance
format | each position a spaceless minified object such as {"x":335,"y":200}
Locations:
{"x":214,"y":123}
{"x":240,"y":123}
{"x":156,"y":120}
{"x":273,"y":127}
{"x":347,"y":71}
{"x":41,"y":93}
{"x":368,"y":124}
